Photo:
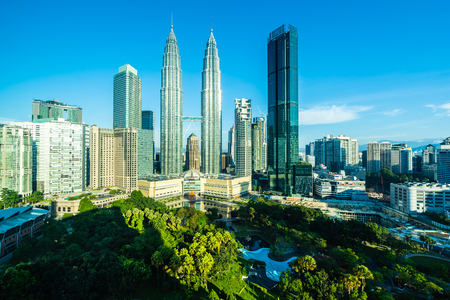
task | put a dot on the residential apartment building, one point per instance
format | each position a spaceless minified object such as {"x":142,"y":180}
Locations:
{"x":378,"y":156}
{"x":60,"y":155}
{"x":16,"y":157}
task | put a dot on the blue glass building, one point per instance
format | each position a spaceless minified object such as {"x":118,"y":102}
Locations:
{"x":282,"y":120}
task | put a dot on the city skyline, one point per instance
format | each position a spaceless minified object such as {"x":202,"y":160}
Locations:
{"x":364,"y":78}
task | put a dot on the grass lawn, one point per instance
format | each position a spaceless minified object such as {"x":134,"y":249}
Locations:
{"x":427,"y":261}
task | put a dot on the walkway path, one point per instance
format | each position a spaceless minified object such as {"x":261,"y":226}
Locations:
{"x":425,"y":255}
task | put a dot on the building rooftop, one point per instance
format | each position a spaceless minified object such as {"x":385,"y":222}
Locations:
{"x":55,"y":102}
{"x":12,"y":217}
{"x":424,"y":184}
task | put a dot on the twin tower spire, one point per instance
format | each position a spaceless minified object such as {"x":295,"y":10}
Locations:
{"x":172,"y":109}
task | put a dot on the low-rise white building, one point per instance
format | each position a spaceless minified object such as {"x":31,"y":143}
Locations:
{"x":217,"y":186}
{"x":339,"y":186}
{"x":411,"y":197}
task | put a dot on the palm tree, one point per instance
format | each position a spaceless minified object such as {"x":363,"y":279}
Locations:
{"x":304,"y":264}
{"x":362,"y":272}
{"x":351,"y":282}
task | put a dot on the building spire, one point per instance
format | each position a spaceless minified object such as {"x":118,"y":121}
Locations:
{"x":171,"y":19}
{"x":211,"y":24}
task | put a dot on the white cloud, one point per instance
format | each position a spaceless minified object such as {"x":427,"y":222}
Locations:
{"x":393,"y":112}
{"x":6,"y":120}
{"x":440,"y":110}
{"x":330,"y":114}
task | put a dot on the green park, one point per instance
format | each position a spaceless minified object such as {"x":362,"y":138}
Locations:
{"x":137,"y":248}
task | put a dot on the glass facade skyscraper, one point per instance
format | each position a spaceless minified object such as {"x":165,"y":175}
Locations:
{"x":127,"y":98}
{"x":211,"y":110}
{"x":148,"y":120}
{"x":171,"y":108}
{"x":282,"y":120}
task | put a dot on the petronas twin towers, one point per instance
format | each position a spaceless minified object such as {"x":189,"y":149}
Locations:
{"x":172,"y":109}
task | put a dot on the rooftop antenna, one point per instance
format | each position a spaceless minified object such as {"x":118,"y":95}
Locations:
{"x":171,"y":19}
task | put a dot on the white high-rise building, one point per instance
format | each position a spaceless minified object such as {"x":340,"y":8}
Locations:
{"x":336,"y":152}
{"x":243,"y":134}
{"x":171,"y":109}
{"x":60,"y":161}
{"x":232,"y":143}
{"x":16,"y":159}
{"x":211,"y":145}
{"x":127,"y":98}
{"x":378,"y":156}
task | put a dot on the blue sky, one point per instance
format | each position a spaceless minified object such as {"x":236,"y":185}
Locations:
{"x":369,"y":70}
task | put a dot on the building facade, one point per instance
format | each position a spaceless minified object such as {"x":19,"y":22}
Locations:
{"x":171,"y":108}
{"x":282,"y":119}
{"x":18,"y":223}
{"x":148,"y":120}
{"x":145,"y":152}
{"x":415,"y":197}
{"x":101,"y":157}
{"x":340,"y":188}
{"x":395,"y":157}
{"x":243,"y":135}
{"x":336,"y":153}
{"x":378,"y":156}
{"x":211,"y":109}
{"x":127,"y":98}
{"x":56,"y":109}
{"x":259,"y":144}
{"x":16,"y":158}
{"x":231,"y":143}
{"x":192,"y":153}
{"x":443,"y":162}
{"x":125,"y":158}
{"x":60,"y":155}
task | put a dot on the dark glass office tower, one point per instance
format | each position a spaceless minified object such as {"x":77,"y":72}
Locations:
{"x":148,"y":120}
{"x":282,"y":120}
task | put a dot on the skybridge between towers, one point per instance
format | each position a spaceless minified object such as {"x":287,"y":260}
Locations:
{"x":191,"y":121}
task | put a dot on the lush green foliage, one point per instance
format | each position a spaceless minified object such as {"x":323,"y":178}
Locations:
{"x":85,"y":205}
{"x":440,"y":218}
{"x":84,"y":195}
{"x":8,"y":198}
{"x":113,"y":252}
{"x":373,"y":180}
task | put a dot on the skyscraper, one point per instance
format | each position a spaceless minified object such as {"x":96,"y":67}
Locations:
{"x":378,"y":156}
{"x":243,"y":150}
{"x":259,"y":144}
{"x":395,"y":157}
{"x":171,"y":108}
{"x":443,"y":162}
{"x":231,"y":143}
{"x":127,"y":98}
{"x":56,"y":109}
{"x":211,"y":110}
{"x":192,"y":153}
{"x":336,"y":152}
{"x":282,"y":121}
{"x":148,"y":120}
